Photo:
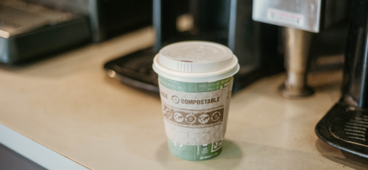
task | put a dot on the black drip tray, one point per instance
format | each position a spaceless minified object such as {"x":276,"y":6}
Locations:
{"x":345,"y":127}
{"x":351,"y":127}
{"x":135,"y":70}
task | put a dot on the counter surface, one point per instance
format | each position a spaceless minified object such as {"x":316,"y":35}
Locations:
{"x":68,"y":104}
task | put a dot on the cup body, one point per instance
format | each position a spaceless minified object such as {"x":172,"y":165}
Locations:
{"x":195,"y":116}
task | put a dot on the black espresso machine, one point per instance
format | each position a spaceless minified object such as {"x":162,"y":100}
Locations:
{"x":228,"y":22}
{"x":345,"y":125}
{"x":258,"y":46}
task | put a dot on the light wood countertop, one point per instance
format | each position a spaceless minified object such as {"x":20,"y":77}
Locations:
{"x":68,"y":104}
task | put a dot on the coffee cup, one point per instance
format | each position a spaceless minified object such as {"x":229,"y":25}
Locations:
{"x":195,"y":81}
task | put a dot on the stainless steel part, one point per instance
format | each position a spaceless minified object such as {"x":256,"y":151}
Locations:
{"x":297,"y":43}
{"x":302,"y":14}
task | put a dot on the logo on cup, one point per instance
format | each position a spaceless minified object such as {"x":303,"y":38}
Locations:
{"x":215,"y":116}
{"x":204,"y":118}
{"x":190,"y":118}
{"x":178,"y":117}
{"x":168,"y":113}
{"x":175,"y":99}
{"x":216,"y":146}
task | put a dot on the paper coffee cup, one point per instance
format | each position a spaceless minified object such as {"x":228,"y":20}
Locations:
{"x":195,"y":81}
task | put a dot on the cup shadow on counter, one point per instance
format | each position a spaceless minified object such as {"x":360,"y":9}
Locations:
{"x":350,"y":160}
{"x":231,"y":156}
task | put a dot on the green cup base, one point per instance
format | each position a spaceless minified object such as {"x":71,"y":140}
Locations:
{"x":195,"y":152}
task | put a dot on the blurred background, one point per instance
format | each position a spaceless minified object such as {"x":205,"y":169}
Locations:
{"x":267,"y":36}
{"x":31,"y":30}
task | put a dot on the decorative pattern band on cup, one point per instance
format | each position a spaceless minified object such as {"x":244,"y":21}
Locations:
{"x":193,"y":118}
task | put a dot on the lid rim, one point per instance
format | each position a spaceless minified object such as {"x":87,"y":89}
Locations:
{"x":190,"y":78}
{"x":197,"y":79}
{"x":196,"y":75}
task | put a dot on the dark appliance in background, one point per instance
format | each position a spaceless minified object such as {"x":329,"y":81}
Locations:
{"x":110,"y":18}
{"x":107,"y":18}
{"x":327,"y":19}
{"x":257,"y":45}
{"x":226,"y":22}
{"x":30,"y":29}
{"x":346,"y":123}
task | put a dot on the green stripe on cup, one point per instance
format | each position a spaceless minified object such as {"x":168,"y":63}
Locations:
{"x":195,"y":87}
{"x":195,"y":152}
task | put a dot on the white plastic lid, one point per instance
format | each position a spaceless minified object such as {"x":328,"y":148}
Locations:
{"x":195,"y":61}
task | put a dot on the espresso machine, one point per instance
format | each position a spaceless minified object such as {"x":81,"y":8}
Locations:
{"x":259,"y":46}
{"x":346,"y":123}
{"x":228,"y":22}
{"x":302,"y":22}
